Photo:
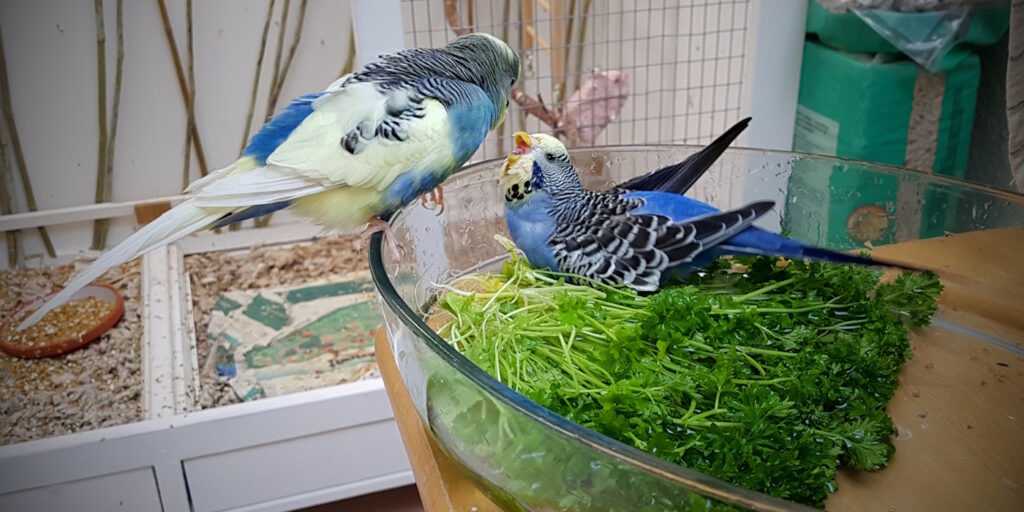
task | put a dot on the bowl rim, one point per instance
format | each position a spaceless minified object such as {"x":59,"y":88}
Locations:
{"x":66,"y":345}
{"x":699,"y":482}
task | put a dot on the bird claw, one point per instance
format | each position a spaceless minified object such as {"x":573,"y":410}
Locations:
{"x":436,"y":200}
{"x":373,"y":226}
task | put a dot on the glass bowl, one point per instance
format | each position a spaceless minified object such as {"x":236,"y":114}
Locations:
{"x":526,"y":457}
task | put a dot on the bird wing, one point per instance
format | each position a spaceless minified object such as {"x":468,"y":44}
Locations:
{"x":679,"y":177}
{"x":360,"y":134}
{"x":634,"y":250}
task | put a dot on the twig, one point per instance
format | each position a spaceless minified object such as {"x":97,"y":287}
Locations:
{"x":535,"y":107}
{"x":296,"y":38}
{"x":278,"y":80}
{"x":530,"y":105}
{"x":101,"y":153}
{"x":102,"y":226}
{"x":255,"y":88}
{"x":350,"y":59}
{"x":182,"y":86}
{"x":579,"y":47}
{"x":558,"y":49}
{"x":7,"y":207}
{"x":505,"y":13}
{"x":271,"y":98}
{"x":190,"y":102}
{"x":256,"y":76}
{"x":568,"y":45}
{"x":451,"y":14}
{"x":19,"y":157}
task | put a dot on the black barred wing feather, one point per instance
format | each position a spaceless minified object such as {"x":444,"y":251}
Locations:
{"x":402,"y":104}
{"x":679,"y":177}
{"x":634,"y":250}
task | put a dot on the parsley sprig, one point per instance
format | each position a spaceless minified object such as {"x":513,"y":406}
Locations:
{"x":770,"y":377}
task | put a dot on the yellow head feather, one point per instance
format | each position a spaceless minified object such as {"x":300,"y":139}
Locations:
{"x":516,"y":175}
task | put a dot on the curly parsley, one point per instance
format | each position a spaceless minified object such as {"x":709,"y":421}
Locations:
{"x":769,"y":378}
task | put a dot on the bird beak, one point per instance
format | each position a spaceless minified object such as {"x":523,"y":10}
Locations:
{"x":523,"y":143}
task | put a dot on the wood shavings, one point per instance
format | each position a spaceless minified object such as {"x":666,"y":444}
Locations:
{"x":212,"y":274}
{"x":94,"y":387}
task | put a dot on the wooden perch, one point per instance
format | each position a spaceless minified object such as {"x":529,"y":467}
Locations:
{"x":532,"y":106}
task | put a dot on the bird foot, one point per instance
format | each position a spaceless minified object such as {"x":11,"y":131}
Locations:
{"x":374,"y":225}
{"x":436,"y":200}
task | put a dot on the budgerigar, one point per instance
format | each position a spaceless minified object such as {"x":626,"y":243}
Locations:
{"x":633,"y":238}
{"x":345,"y":157}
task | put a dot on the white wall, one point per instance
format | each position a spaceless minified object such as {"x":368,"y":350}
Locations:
{"x":51,"y":61}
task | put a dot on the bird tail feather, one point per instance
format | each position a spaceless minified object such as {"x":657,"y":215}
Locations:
{"x":820,"y":254}
{"x":679,"y":177}
{"x":176,"y":223}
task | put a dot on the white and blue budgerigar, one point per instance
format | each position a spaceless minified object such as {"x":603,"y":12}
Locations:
{"x":639,"y":234}
{"x":371,"y":142}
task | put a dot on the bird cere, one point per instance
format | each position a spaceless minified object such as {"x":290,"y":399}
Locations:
{"x":682,"y":330}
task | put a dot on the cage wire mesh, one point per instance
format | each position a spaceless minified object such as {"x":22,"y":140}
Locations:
{"x":680,"y":62}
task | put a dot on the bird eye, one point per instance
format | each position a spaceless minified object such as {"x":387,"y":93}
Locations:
{"x":549,"y":156}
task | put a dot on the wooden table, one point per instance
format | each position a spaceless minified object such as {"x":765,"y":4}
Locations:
{"x":960,"y":405}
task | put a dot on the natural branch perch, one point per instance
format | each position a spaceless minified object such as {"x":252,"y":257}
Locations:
{"x":19,"y":157}
{"x":281,"y":73}
{"x":256,"y":86}
{"x":190,"y":102}
{"x":296,"y":37}
{"x":506,"y":9}
{"x":256,"y":77}
{"x":579,"y":46}
{"x":272,"y":97}
{"x":102,"y":226}
{"x":7,"y":207}
{"x":350,"y":59}
{"x":169,"y":33}
{"x":101,"y":152}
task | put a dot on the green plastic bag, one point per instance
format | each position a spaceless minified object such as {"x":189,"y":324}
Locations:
{"x":938,"y":40}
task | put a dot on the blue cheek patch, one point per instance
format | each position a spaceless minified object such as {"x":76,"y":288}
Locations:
{"x":537,"y":182}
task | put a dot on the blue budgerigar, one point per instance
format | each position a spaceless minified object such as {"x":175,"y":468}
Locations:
{"x":345,"y":157}
{"x":628,"y":237}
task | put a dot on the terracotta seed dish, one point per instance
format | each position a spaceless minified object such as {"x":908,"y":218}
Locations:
{"x":80,"y":321}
